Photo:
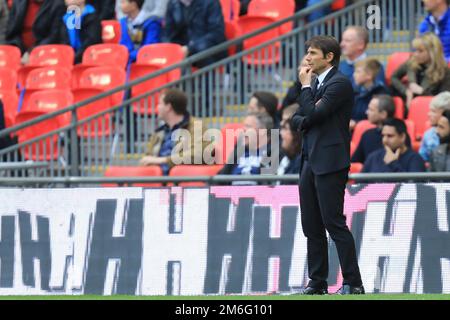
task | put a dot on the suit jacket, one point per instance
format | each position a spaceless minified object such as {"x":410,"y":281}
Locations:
{"x":438,"y":159}
{"x":323,"y":118}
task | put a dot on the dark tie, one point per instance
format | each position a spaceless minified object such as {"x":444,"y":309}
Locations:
{"x":314,"y":87}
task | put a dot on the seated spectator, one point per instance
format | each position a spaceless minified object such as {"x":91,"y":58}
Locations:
{"x":430,"y":139}
{"x":438,"y":21}
{"x":252,"y":151}
{"x":381,"y":108}
{"x":290,"y":144}
{"x":427,"y":73}
{"x":353,"y":45}
{"x":396,"y":156}
{"x":264,"y":102}
{"x":4,"y":13}
{"x":439,"y":159}
{"x":89,"y":33}
{"x":319,"y":13}
{"x":150,"y":9}
{"x":365,"y":77}
{"x":162,"y":150}
{"x":104,"y":9}
{"x":136,"y":35}
{"x":33,"y":23}
{"x":197,"y":25}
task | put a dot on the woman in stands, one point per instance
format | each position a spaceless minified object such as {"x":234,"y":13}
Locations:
{"x":427,"y":73}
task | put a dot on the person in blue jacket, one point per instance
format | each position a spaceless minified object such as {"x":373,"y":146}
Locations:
{"x":135,"y":33}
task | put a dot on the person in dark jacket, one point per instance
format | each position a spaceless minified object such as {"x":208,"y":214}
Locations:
{"x":440,"y":156}
{"x":87,"y":33}
{"x":33,"y":22}
{"x":197,"y":25}
{"x":395,"y":156}
{"x":104,"y":8}
{"x":365,"y":77}
{"x":134,"y":34}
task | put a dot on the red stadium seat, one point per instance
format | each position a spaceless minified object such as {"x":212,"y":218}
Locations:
{"x":161,"y":55}
{"x":105,"y":78}
{"x":230,"y":9}
{"x":8,"y":79}
{"x":41,"y":103}
{"x":231,"y":32}
{"x":107,"y":54}
{"x":47,"y":55}
{"x":267,"y":55}
{"x":418,"y":113}
{"x":352,"y":148}
{"x":356,"y":167}
{"x":338,"y":5}
{"x":411,"y":129}
{"x":223,"y":148}
{"x":137,"y":171}
{"x":194,"y":170}
{"x":361,"y":127}
{"x":100,"y":126}
{"x":273,"y":9}
{"x":146,"y":105}
{"x":10,"y":101}
{"x":399,"y":108}
{"x":395,"y":60}
{"x":111,"y":31}
{"x":10,"y":57}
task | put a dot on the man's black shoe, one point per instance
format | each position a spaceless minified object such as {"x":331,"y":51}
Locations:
{"x":346,"y":289}
{"x":313,"y":291}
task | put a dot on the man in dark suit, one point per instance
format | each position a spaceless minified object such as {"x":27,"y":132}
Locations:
{"x":323,"y":117}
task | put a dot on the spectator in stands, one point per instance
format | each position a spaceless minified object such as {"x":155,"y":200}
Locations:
{"x":135,"y":35}
{"x":33,"y":22}
{"x":439,"y":160}
{"x":89,"y":33}
{"x":364,"y":76}
{"x":104,"y":9}
{"x":264,"y":102}
{"x":353,"y":45}
{"x":290,"y":144}
{"x":150,"y":9}
{"x":319,"y":13}
{"x":253,"y":150}
{"x":438,"y":21}
{"x":4,"y":12}
{"x":162,"y":149}
{"x":197,"y":25}
{"x":396,"y":156}
{"x":427,"y":73}
{"x":430,"y":139}
{"x":381,"y":108}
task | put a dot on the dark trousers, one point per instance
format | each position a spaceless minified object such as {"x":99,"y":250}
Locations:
{"x":322,"y":207}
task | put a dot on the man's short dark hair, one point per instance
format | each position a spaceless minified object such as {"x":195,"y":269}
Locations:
{"x":398,"y":124}
{"x":139,"y":3}
{"x":446,"y":113}
{"x":268,"y":101}
{"x":326,"y":44}
{"x":385,"y":103}
{"x":177,"y":99}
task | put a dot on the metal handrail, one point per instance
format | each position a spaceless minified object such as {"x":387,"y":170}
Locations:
{"x":218,"y":179}
{"x":23,"y":165}
{"x":187,"y":62}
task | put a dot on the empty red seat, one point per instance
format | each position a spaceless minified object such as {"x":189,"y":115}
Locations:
{"x":394,"y":61}
{"x":105,"y":78}
{"x":192,"y":171}
{"x":269,"y":54}
{"x":229,"y":134}
{"x":41,"y":103}
{"x":48,"y":78}
{"x":338,"y":5}
{"x":418,"y":113}
{"x":231,"y":32}
{"x":47,"y":55}
{"x":111,"y":31}
{"x":361,"y":127}
{"x":273,"y":9}
{"x":161,"y":55}
{"x":8,"y":79}
{"x":137,"y":171}
{"x":106,"y":54}
{"x":10,"y":57}
{"x":399,"y":108}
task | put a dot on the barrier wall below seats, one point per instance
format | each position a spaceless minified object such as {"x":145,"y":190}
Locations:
{"x":217,"y":240}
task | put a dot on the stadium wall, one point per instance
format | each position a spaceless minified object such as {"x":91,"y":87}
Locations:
{"x":216,"y":240}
